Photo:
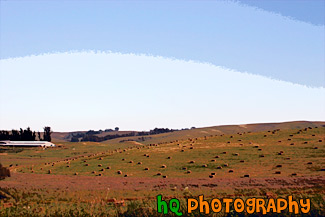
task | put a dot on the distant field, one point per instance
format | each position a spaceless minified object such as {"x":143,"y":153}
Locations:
{"x":248,"y":160}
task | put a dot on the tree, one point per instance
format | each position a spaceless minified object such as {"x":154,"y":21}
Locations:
{"x":47,"y":134}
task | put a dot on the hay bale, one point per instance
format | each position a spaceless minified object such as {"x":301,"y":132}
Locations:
{"x":294,"y":174}
{"x":204,"y":165}
{"x":217,"y":156}
{"x":315,"y":147}
{"x":139,"y":162}
{"x":158,"y":174}
{"x":224,"y":152}
{"x":108,"y":167}
{"x":123,"y":159}
{"x":213,"y":173}
{"x":131,"y":162}
{"x":182,"y":150}
{"x":191,"y":147}
{"x":169,"y":157}
{"x":147,"y":168}
{"x":93,"y":172}
{"x":100,"y":174}
{"x":277,"y":172}
{"x":126,"y":175}
{"x":219,"y":167}
{"x":236,"y":154}
{"x":230,"y":171}
{"x":246,"y":175}
{"x":242,"y":161}
{"x":211,"y":176}
{"x":305,"y":142}
{"x":309,"y":163}
{"x":188,"y":171}
{"x":192,"y":162}
{"x":100,"y":158}
{"x":292,"y":143}
{"x":99,"y":165}
{"x":75,"y":173}
{"x":165,"y":177}
{"x":102,"y":170}
{"x":184,"y":168}
{"x":225,"y":165}
{"x":279,"y":165}
{"x":119,"y":172}
{"x":163,"y":166}
{"x":86,"y":165}
{"x":68,"y":165}
{"x":262,"y":155}
{"x":213,"y":160}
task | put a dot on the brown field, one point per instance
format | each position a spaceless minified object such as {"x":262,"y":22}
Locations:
{"x":280,"y":159}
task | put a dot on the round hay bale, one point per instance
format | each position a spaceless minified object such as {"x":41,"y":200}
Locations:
{"x":182,"y":150}
{"x":204,"y":165}
{"x":219,"y":167}
{"x":75,"y":173}
{"x":211,"y":176}
{"x":148,"y":155}
{"x":119,"y":172}
{"x":158,"y":174}
{"x":126,"y":175}
{"x":310,"y":163}
{"x":262,"y":155}
{"x":102,"y":170}
{"x":131,"y":162}
{"x":259,"y":149}
{"x":213,"y":160}
{"x":139,"y":162}
{"x":292,"y":143}
{"x":147,"y":168}
{"x":225,"y":165}
{"x":224,"y":152}
{"x":279,"y":165}
{"x":217,"y":156}
{"x":169,"y":157}
{"x":100,"y":174}
{"x":93,"y":172}
{"x":99,"y":165}
{"x":68,"y":165}
{"x":288,"y":158}
{"x":188,"y":171}
{"x":163,"y":166}
{"x":184,"y":168}
{"x":320,"y":140}
{"x":315,"y":147}
{"x":100,"y":158}
{"x":236,"y":154}
{"x":165,"y":177}
{"x":230,"y":171}
{"x":294,"y":174}
{"x":242,"y":161}
{"x":123,"y":159}
{"x":191,"y":147}
{"x":277,"y":172}
{"x":192,"y":162}
{"x":108,"y":167}
{"x":246,"y":175}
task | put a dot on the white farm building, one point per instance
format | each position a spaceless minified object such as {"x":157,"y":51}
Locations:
{"x":26,"y":143}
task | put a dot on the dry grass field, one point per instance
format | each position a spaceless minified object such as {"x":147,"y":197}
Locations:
{"x":123,"y":178}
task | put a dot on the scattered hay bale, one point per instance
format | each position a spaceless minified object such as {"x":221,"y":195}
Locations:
{"x":182,"y":150}
{"x":213,"y":160}
{"x":288,"y":158}
{"x":148,"y":155}
{"x":315,"y":147}
{"x":217,"y":156}
{"x":277,"y":172}
{"x":158,"y":174}
{"x":291,"y":135}
{"x":126,"y":175}
{"x":323,"y":169}
{"x":163,"y":166}
{"x":165,"y":177}
{"x":191,"y":147}
{"x":262,"y":155}
{"x":102,"y":170}
{"x":256,"y":146}
{"x":169,"y":157}
{"x":230,"y":171}
{"x":93,"y":172}
{"x":225,"y":165}
{"x":188,"y":171}
{"x":219,"y":167}
{"x":241,"y":161}
{"x":100,"y":174}
{"x":119,"y":172}
{"x":309,"y":163}
{"x":292,"y":143}
{"x":211,"y":176}
{"x":294,"y":174}
{"x":246,"y":175}
{"x":305,"y":142}
{"x":49,"y":171}
{"x":68,"y":165}
{"x":100,"y":158}
{"x":139,"y":162}
{"x":192,"y":162}
{"x":99,"y":165}
{"x":228,"y":142}
{"x":123,"y":159}
{"x":213,"y":173}
{"x":85,"y":161}
{"x":147,"y":168}
{"x":108,"y":167}
{"x":279,"y":165}
{"x":75,"y":173}
{"x":131,"y":162}
{"x":204,"y":165}
{"x":259,"y":149}
{"x":236,"y":154}
{"x":224,"y":152}
{"x":279,"y":141}
{"x":184,"y":168}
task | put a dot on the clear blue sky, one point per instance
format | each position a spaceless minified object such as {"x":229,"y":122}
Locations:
{"x":281,"y":40}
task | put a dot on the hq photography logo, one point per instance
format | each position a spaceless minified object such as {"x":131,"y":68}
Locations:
{"x":250,"y":205}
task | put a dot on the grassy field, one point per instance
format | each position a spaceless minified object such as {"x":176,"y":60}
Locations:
{"x":238,"y":161}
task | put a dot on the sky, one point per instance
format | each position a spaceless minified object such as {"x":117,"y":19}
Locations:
{"x":80,"y":65}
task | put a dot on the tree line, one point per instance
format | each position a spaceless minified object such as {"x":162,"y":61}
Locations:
{"x":91,"y":135}
{"x":26,"y":135}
